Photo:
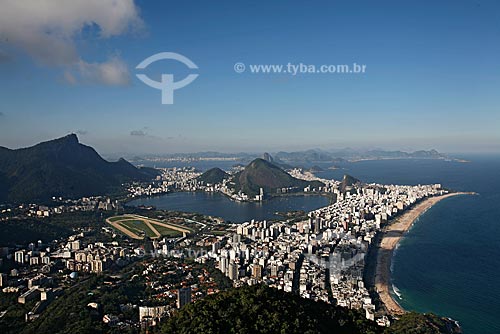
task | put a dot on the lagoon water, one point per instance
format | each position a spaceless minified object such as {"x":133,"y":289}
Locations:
{"x":219,"y":205}
{"x":448,"y":263}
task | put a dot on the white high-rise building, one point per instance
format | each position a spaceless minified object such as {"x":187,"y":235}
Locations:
{"x":19,"y":257}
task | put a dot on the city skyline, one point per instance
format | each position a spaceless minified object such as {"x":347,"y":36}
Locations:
{"x":430,"y":82}
{"x":249,"y":166}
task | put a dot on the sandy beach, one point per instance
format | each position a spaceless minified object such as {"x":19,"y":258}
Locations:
{"x":390,"y":238}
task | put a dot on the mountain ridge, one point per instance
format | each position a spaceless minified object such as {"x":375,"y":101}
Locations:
{"x":287,"y":159}
{"x":263,"y":174}
{"x":61,"y":167}
{"x":213,"y":176}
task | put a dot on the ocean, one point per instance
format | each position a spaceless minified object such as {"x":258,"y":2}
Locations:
{"x":449,"y":261}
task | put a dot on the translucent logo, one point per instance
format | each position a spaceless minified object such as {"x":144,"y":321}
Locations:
{"x":167,"y":85}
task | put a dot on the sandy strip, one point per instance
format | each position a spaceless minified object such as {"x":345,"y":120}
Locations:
{"x":149,"y":223}
{"x":120,"y":227}
{"x":157,"y":222}
{"x":391,"y":236}
{"x":151,"y":227}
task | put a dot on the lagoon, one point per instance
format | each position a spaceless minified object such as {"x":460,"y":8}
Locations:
{"x":218,"y":205}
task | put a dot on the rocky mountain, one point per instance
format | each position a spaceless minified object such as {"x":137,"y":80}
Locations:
{"x":263,"y":174}
{"x":213,"y":176}
{"x":62,"y":167}
{"x":347,"y":182}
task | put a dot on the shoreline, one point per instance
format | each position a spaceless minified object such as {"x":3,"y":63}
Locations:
{"x":403,"y":158}
{"x":270,"y":197}
{"x":390,"y":238}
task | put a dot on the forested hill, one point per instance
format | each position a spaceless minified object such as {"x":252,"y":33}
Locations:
{"x":61,"y":167}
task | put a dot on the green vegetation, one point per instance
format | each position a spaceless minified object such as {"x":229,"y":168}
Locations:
{"x":23,"y":231}
{"x":416,"y":323}
{"x":213,"y":176}
{"x":218,"y":232}
{"x":61,"y":167}
{"x":28,"y":230}
{"x":14,"y":318}
{"x":70,"y":314}
{"x":138,"y":227}
{"x":293,"y":216}
{"x":249,"y":309}
{"x":260,"y":309}
{"x":263,"y":174}
{"x":167,"y":232}
{"x":118,"y":218}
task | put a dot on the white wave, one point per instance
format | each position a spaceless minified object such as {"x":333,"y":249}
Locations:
{"x":396,"y":291}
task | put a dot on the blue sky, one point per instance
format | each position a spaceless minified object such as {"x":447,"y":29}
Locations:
{"x":432,"y":78}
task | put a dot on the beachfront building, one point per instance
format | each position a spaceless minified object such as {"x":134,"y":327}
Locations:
{"x":328,"y":248}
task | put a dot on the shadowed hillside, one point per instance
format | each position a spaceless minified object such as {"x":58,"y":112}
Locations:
{"x":61,"y":167}
{"x":263,"y":174}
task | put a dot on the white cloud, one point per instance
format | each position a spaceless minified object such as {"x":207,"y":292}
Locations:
{"x":47,"y":30}
{"x":138,"y":133}
{"x":112,"y":72}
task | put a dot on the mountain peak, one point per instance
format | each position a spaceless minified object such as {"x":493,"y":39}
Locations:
{"x":347,"y":182}
{"x":213,"y":176}
{"x":258,"y":162}
{"x":61,"y":167}
{"x":266,"y":156}
{"x":263,"y":174}
{"x":70,"y":138}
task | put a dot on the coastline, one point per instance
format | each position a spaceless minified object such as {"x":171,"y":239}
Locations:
{"x":391,"y":235}
{"x":403,"y":158}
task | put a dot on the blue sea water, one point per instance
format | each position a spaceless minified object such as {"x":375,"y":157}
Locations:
{"x":449,"y":261}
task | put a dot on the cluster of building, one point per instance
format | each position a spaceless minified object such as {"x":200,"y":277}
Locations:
{"x":174,"y":284}
{"x":61,"y":206}
{"x":180,"y":179}
{"x":320,"y":258}
{"x":36,"y":269}
{"x":325,"y":252}
{"x":186,"y":179}
{"x":189,"y":159}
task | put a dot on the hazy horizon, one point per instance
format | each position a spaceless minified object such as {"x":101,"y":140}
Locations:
{"x":431,"y":77}
{"x":331,"y":149}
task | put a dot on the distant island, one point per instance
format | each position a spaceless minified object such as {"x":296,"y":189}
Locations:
{"x":293,"y":159}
